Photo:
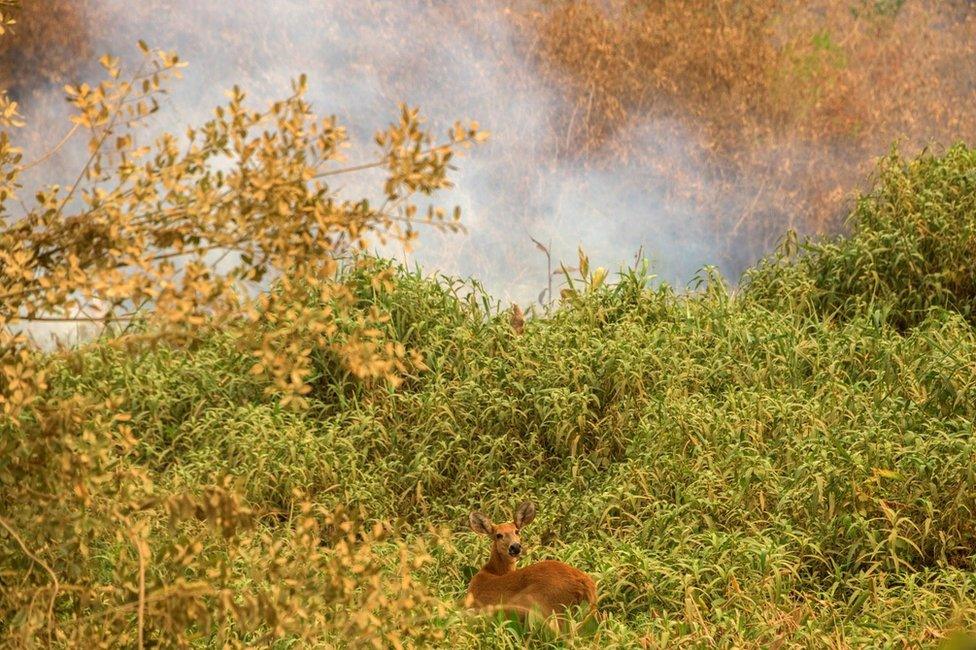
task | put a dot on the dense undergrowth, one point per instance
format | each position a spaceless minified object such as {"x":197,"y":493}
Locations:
{"x":789,"y":464}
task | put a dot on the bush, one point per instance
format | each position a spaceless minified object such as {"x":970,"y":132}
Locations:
{"x":783,"y":105}
{"x":910,"y":249}
{"x":768,"y":470}
{"x":194,"y":257}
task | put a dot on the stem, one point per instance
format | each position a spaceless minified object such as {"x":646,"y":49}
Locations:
{"x":101,"y":141}
{"x":78,"y":319}
{"x":34,"y":558}
{"x":141,"y":611}
{"x":53,"y":151}
{"x":380,"y":163}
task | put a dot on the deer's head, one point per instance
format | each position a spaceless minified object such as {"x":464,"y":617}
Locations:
{"x":505,"y":541}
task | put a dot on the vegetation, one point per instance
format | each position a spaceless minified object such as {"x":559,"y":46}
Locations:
{"x":275,"y":439}
{"x":787,"y":101}
{"x":747,"y":470}
{"x":47,"y":43}
{"x":910,"y":250}
{"x":169,"y":244}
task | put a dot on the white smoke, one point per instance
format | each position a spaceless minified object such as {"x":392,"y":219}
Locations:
{"x":361,"y":58}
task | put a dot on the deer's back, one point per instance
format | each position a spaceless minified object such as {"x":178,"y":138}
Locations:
{"x":548,"y":586}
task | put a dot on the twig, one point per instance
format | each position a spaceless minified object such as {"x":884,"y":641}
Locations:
{"x":77,"y":319}
{"x":53,"y":151}
{"x":380,"y":163}
{"x":34,"y":558}
{"x":141,"y":611}
{"x":545,"y":250}
{"x":98,"y":145}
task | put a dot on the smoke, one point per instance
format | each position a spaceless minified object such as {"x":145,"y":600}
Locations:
{"x":454,"y":63}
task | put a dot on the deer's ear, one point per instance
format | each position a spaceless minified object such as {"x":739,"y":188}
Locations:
{"x":525,"y":514}
{"x":480,"y":523}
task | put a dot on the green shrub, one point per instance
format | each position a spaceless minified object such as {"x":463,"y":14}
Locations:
{"x":911,"y":248}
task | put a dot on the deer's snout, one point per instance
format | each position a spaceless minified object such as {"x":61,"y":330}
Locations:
{"x":514,"y":549}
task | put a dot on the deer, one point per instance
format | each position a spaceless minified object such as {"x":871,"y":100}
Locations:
{"x":544,"y":588}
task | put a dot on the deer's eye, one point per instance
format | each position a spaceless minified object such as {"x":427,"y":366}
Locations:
{"x":498,"y":536}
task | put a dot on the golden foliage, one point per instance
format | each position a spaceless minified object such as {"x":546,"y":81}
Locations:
{"x":232,"y":227}
{"x":179,"y":229}
{"x":6,"y":14}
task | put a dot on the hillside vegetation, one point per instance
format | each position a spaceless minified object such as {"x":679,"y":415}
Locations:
{"x":789,"y":464}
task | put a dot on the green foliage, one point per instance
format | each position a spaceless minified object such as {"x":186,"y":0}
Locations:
{"x":910,"y":250}
{"x":793,"y":465}
{"x":730,"y":473}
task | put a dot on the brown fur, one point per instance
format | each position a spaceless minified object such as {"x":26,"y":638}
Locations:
{"x":546,"y":588}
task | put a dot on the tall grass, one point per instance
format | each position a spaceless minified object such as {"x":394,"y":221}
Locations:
{"x":776,"y":468}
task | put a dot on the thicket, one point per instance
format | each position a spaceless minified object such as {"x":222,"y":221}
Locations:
{"x":731,"y":469}
{"x":909,"y":251}
{"x":166,"y":244}
{"x":48,"y":44}
{"x":789,"y":102}
{"x":779,"y":108}
{"x":791,"y":464}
